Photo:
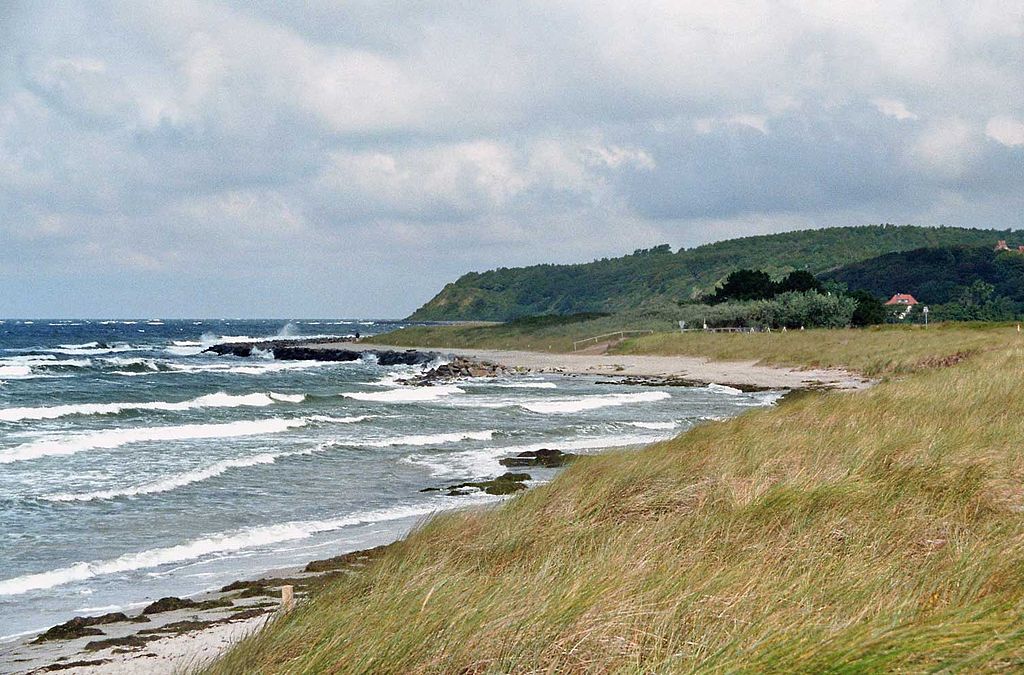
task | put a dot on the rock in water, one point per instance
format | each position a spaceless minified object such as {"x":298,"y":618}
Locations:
{"x":549,"y":459}
{"x":505,"y":484}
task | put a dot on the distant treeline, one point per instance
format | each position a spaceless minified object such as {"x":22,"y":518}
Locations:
{"x":751,"y":298}
{"x":657,"y":279}
{"x":958,"y":283}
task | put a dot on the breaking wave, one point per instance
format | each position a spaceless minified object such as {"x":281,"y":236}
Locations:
{"x":406,"y":394}
{"x":114,"y":438}
{"x":432,"y":439}
{"x":221,"y":543}
{"x":575,"y":405}
{"x":218,"y":400}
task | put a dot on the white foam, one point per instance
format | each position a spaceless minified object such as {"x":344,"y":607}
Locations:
{"x":174,"y":482}
{"x":406,"y":394}
{"x":484,"y":461}
{"x":253,"y":537}
{"x":575,"y":405}
{"x":185,"y":350}
{"x":29,"y":359}
{"x":16,"y":372}
{"x":218,"y":400}
{"x":88,"y":348}
{"x":251,"y":369}
{"x":114,"y":438}
{"x":724,"y":389}
{"x":150,"y":364}
{"x":526,"y":385}
{"x":769,"y":397}
{"x":432,"y":439}
{"x":653,"y":425}
{"x":340,"y":420}
{"x":288,"y":398}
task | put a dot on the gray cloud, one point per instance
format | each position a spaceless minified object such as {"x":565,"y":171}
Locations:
{"x":348,"y":158}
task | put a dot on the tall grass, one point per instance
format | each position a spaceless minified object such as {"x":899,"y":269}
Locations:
{"x":872,"y":351}
{"x":881,"y":530}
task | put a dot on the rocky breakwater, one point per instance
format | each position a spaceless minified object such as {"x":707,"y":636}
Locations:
{"x":291,"y":350}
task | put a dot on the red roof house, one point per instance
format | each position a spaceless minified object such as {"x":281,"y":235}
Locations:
{"x":1001,"y":246}
{"x":902,"y":299}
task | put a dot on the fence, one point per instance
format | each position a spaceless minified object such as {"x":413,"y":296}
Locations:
{"x":620,"y":333}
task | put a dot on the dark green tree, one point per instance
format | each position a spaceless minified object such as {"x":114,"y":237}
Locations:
{"x":745,"y":285}
{"x":799,"y":281}
{"x":869,"y":310}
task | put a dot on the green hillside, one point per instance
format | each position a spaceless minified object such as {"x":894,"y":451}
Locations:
{"x":658,"y":277}
{"x":960,"y":282}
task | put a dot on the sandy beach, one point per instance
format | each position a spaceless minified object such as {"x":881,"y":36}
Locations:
{"x":695,"y":369}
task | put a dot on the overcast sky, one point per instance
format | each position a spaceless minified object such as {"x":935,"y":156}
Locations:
{"x":254,"y":158}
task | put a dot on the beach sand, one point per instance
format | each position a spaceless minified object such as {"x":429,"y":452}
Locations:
{"x":695,"y":369}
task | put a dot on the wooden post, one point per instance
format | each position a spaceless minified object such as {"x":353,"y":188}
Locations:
{"x":287,"y":598}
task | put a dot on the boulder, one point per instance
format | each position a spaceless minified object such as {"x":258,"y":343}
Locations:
{"x":549,"y":459}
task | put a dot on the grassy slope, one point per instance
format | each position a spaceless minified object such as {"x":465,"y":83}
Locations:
{"x":522,"y":334}
{"x":658,"y":280}
{"x":838,"y":532}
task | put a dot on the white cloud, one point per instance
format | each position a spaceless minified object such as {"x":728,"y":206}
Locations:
{"x":945,"y":148}
{"x":1005,"y":130}
{"x":890,"y":107}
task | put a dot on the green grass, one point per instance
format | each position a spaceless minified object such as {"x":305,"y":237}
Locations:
{"x":872,"y":531}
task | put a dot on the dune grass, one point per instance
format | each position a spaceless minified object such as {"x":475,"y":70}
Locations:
{"x":838,"y":532}
{"x":878,"y":350}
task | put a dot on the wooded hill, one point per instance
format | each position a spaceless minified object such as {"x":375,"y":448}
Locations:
{"x":660,"y":278}
{"x":960,"y":282}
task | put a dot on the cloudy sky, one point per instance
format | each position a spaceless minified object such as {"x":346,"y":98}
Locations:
{"x":253,"y":158}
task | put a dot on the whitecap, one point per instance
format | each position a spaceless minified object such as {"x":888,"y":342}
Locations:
{"x":432,"y":439}
{"x":574,"y":405}
{"x":218,"y":400}
{"x":174,"y":482}
{"x":113,"y":438}
{"x":653,"y":425}
{"x":724,"y":389}
{"x":16,"y":372}
{"x":219,"y":543}
{"x":339,"y":420}
{"x":406,"y":394}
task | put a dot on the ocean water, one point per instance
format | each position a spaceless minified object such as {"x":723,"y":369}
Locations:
{"x":135,"y":466}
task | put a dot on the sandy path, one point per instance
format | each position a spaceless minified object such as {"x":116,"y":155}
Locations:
{"x":688,"y":367}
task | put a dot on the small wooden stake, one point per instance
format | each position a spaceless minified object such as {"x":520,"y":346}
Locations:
{"x":287,"y":598}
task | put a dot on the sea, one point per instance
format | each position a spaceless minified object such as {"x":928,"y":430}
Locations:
{"x":135,"y":465}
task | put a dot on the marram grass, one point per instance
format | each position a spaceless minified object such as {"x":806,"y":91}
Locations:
{"x":872,"y":531}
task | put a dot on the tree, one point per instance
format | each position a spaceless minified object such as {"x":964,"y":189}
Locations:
{"x":799,"y":281}
{"x":745,"y":285}
{"x":794,"y":310}
{"x":869,"y":310}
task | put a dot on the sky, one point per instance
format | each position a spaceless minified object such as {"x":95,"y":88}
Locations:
{"x":343,"y":159}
